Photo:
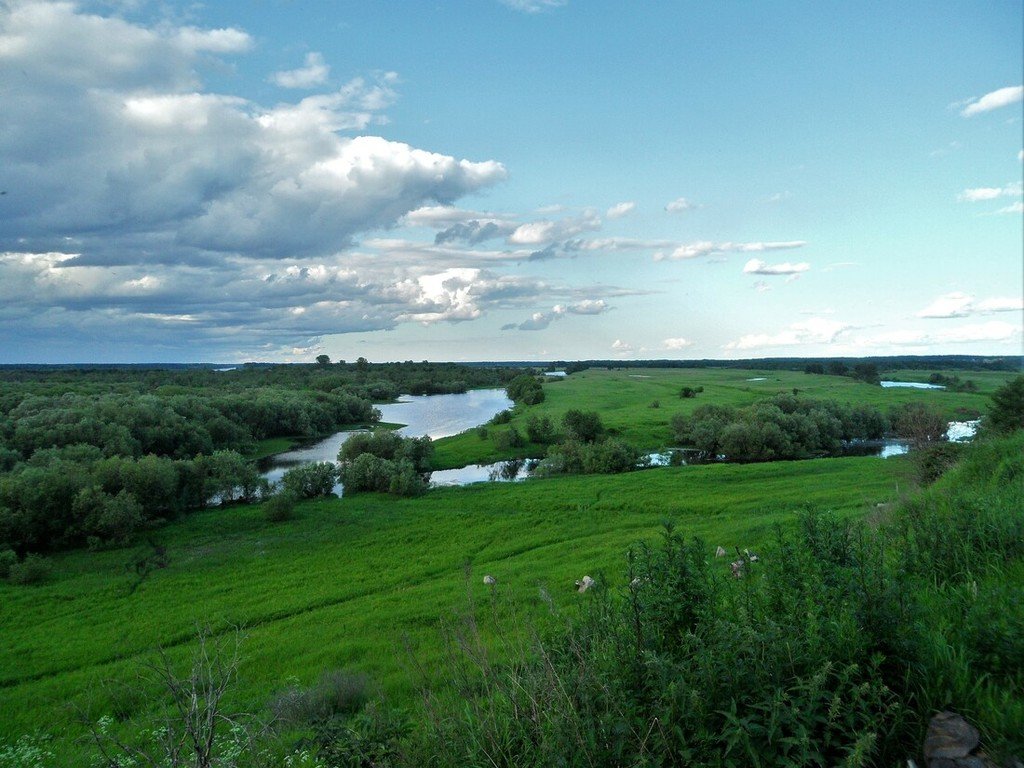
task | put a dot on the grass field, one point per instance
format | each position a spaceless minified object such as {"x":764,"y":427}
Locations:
{"x":624,"y":399}
{"x":350,"y":582}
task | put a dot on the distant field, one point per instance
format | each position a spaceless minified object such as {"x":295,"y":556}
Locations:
{"x":624,"y":398}
{"x":349,"y":582}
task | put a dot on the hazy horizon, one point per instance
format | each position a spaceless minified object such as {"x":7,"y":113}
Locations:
{"x":508,"y":180}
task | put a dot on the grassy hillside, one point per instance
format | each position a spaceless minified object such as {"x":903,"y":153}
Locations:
{"x":351,"y":582}
{"x":624,"y":399}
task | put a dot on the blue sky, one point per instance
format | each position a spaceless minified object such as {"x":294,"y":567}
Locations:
{"x":488,"y":180}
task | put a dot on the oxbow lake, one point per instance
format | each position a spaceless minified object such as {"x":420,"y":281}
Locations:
{"x":440,"y":416}
{"x":436,"y":416}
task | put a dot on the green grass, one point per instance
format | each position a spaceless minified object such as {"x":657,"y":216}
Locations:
{"x":272,"y":445}
{"x":624,"y":398}
{"x":353,"y":582}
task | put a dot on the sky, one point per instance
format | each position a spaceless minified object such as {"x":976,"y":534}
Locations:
{"x":270,"y":180}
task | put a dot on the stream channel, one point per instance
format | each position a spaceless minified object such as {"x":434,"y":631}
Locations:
{"x":440,"y":416}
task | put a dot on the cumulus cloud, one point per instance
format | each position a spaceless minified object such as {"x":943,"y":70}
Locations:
{"x":993,"y":331}
{"x":619,"y":210}
{"x":622,"y":347}
{"x":538,"y":321}
{"x":994,"y":100}
{"x":977,"y":194}
{"x":100,"y":147}
{"x":813,"y":331}
{"x":314,"y":73}
{"x":1017,"y":207}
{"x":679,"y":205}
{"x":759,"y":267}
{"x":959,"y":304}
{"x":548,"y":230}
{"x":708,"y":248}
{"x":677,"y":343}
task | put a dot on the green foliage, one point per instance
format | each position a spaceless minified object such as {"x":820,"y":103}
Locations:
{"x":782,"y":427}
{"x":933,"y":460}
{"x":540,"y":429}
{"x":508,"y":439}
{"x":368,"y":472}
{"x":918,"y":421}
{"x":280,"y":507}
{"x":34,"y":569}
{"x":310,"y":480}
{"x":525,"y":389}
{"x":584,"y":426}
{"x":573,"y":457}
{"x":1006,"y":412}
{"x":337,"y":693}
{"x":8,"y":559}
{"x":385,"y":444}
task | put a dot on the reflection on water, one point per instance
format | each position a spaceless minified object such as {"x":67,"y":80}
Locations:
{"x":910,"y":385}
{"x":433,"y":415}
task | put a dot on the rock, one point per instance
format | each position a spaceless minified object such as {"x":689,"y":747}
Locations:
{"x":737,"y":568}
{"x":584,"y":584}
{"x":949,"y":736}
{"x":490,"y":580}
{"x":720,"y":552}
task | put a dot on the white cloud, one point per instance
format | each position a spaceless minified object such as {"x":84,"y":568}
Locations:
{"x":759,"y":267}
{"x":994,"y":331}
{"x":951,"y":305}
{"x":812,"y":331}
{"x":994,"y":100}
{"x":677,"y":343}
{"x":314,"y":73}
{"x":622,"y":347}
{"x":679,"y":205}
{"x":1017,"y":207}
{"x":128,"y":154}
{"x":706,"y":248}
{"x":977,"y":194}
{"x":1000,"y":304}
{"x":548,"y":231}
{"x":619,"y":210}
{"x":538,"y":321}
{"x":959,"y":304}
{"x":534,"y":6}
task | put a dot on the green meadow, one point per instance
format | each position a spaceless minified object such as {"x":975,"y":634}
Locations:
{"x":626,"y":398}
{"x":359,"y":582}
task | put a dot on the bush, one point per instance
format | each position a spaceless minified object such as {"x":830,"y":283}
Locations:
{"x":8,"y":559}
{"x":34,"y":569}
{"x":280,"y":507}
{"x":1006,"y":413}
{"x":525,"y":389}
{"x":539,"y":429}
{"x":583,"y":426}
{"x":932,"y":461}
{"x":508,"y":439}
{"x":310,"y":480}
{"x":338,"y":692}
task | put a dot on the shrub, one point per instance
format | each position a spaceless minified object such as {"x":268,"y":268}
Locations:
{"x":337,"y":692}
{"x":932,"y":461}
{"x":508,"y":439}
{"x":34,"y":569}
{"x":310,"y":480}
{"x":583,"y":426}
{"x":1006,"y":413}
{"x":8,"y":559}
{"x":280,"y":507}
{"x":525,"y":389}
{"x":539,"y":429}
